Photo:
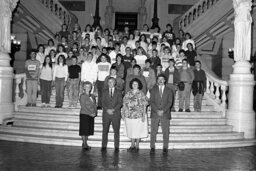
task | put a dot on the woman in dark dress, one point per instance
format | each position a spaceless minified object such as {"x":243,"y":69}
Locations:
{"x":87,"y":114}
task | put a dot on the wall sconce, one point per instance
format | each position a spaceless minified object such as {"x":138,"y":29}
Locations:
{"x":15,"y":47}
{"x":231,"y":53}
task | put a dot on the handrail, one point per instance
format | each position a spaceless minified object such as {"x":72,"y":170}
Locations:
{"x":196,"y":11}
{"x":60,"y":11}
{"x":216,"y":89}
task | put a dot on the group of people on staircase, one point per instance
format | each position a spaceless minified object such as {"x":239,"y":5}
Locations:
{"x":141,"y":66}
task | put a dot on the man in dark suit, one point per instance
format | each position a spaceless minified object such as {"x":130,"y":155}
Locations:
{"x":111,"y":103}
{"x":161,"y":100}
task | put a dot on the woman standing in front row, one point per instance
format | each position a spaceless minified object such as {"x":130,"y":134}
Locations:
{"x":134,"y":114}
{"x":87,"y":114}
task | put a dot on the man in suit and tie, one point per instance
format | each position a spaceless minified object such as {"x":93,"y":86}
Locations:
{"x":111,"y":103}
{"x":161,"y":101}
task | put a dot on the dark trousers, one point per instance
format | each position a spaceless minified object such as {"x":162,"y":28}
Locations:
{"x":107,"y":120}
{"x":173,"y":87}
{"x":100,"y":86}
{"x":165,"y":124}
{"x":45,"y":87}
{"x":59,"y":85}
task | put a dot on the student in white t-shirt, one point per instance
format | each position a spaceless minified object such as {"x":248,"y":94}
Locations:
{"x":140,"y":57}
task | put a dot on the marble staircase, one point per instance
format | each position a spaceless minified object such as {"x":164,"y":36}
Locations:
{"x":206,"y":129}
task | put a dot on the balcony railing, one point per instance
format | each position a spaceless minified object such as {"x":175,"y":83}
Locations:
{"x":196,"y":11}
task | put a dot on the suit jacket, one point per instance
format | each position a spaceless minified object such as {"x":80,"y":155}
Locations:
{"x":88,"y":105}
{"x":114,"y":102}
{"x":157,"y":103}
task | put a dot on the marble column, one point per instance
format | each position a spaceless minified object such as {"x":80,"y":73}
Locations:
{"x":6,"y":71}
{"x":240,"y":112}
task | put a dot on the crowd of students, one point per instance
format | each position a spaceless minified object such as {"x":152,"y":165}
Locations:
{"x":95,"y":56}
{"x":91,"y":55}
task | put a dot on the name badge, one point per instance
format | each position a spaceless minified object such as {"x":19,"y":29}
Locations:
{"x":31,"y":67}
{"x":104,"y":68}
{"x":146,"y":73}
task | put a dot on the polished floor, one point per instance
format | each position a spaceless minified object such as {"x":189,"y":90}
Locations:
{"x":30,"y":157}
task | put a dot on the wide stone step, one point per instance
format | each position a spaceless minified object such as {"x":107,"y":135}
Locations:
{"x":98,"y":135}
{"x":74,"y":125}
{"x":66,"y":110}
{"x":75,"y":117}
{"x":173,"y":128}
{"x":53,"y":100}
{"x":123,"y":145}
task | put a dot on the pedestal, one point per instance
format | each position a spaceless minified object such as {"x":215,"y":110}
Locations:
{"x":240,"y":112}
{"x":6,"y":85}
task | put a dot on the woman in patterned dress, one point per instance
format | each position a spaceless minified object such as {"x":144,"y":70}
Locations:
{"x":134,"y":114}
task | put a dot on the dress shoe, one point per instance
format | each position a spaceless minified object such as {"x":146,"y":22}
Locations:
{"x":33,"y":105}
{"x":116,"y":150}
{"x":103,"y":149}
{"x":131,"y":149}
{"x":165,"y":151}
{"x":187,"y":110}
{"x":180,"y":110}
{"x":152,"y":151}
{"x":28,"y":105}
{"x":87,"y":148}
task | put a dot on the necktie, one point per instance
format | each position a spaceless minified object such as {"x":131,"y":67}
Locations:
{"x":111,"y":92}
{"x":161,"y":91}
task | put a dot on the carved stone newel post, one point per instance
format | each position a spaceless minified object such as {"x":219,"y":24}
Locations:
{"x":240,"y":112}
{"x":6,"y":71}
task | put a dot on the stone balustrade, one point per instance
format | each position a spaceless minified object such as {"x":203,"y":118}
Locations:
{"x":196,"y":11}
{"x":20,"y":90}
{"x":216,"y":90}
{"x":58,"y":10}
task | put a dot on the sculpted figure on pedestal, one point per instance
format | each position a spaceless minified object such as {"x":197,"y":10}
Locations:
{"x":242,"y":24}
{"x":109,"y":14}
{"x":6,"y":8}
{"x":142,"y":11}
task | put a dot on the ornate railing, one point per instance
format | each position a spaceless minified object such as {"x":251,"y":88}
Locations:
{"x":60,"y":11}
{"x":20,"y":90}
{"x":216,"y":89}
{"x":196,"y":11}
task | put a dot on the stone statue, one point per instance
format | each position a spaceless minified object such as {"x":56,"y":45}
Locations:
{"x":7,"y":6}
{"x":109,"y":14}
{"x":242,"y":24}
{"x":142,"y":11}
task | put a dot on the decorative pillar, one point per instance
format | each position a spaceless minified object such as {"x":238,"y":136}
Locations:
{"x":240,"y":112}
{"x":142,"y":15}
{"x":109,"y":14}
{"x":155,"y":19}
{"x":6,"y":71}
{"x":96,"y":18}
